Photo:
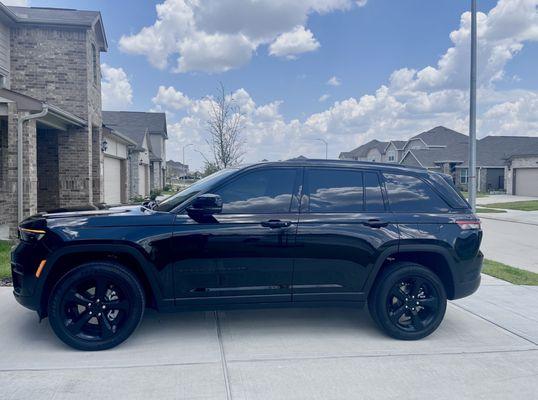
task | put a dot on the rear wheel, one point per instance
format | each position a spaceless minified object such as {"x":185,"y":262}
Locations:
{"x":96,"y":306}
{"x":408,"y":302}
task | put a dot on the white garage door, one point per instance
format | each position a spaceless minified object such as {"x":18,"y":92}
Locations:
{"x":142,"y":178}
{"x":112,"y":172}
{"x":527,"y":181}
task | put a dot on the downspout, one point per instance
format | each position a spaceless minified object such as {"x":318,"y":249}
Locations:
{"x":20,"y":162}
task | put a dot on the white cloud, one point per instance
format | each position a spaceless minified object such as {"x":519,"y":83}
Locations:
{"x":218,"y":35}
{"x":410,"y":102}
{"x":290,"y":44}
{"x":116,"y":89}
{"x":324,"y":97}
{"x":20,"y":3}
{"x":170,"y":98}
{"x":334,"y":81}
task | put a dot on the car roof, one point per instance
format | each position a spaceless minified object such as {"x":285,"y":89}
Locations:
{"x":342,"y":163}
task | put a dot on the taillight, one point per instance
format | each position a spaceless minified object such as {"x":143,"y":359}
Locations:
{"x":469,"y":224}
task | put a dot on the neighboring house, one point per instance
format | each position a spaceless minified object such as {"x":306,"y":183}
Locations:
{"x":175,"y":171}
{"x":49,"y":67}
{"x":372,"y":151}
{"x":147,"y":166}
{"x":116,"y":172}
{"x":504,"y":163}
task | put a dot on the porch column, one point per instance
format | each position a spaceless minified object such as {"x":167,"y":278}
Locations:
{"x":75,"y":167}
{"x":97,"y":166}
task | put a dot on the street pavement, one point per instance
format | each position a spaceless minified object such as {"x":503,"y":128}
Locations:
{"x":486,"y":348}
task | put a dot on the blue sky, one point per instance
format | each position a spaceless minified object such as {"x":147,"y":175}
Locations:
{"x":360,"y":43}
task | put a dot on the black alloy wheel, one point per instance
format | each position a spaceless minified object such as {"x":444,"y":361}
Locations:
{"x":96,"y":306}
{"x":408,"y":301}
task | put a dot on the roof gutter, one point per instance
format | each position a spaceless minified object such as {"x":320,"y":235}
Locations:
{"x":20,"y":162}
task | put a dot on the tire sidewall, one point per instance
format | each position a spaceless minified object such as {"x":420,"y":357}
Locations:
{"x":381,"y":293}
{"x":110,"y":269}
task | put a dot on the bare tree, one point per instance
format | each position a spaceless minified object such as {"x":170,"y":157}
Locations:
{"x":225,"y":124}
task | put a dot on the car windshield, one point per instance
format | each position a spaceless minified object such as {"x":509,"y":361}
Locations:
{"x":173,"y":201}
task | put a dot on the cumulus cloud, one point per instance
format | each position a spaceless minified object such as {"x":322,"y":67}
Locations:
{"x":218,"y":35}
{"x":170,"y":98}
{"x":290,"y":44}
{"x":324,"y":97}
{"x":409,"y":102}
{"x":334,"y":81}
{"x":116,"y":89}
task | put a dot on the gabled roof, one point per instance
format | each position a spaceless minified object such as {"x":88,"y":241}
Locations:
{"x":363,"y":150}
{"x":399,"y":144}
{"x":58,"y":17}
{"x":135,"y":124}
{"x":441,"y":136}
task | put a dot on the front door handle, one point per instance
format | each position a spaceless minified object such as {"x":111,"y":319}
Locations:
{"x":375,"y":223}
{"x":276,"y":223}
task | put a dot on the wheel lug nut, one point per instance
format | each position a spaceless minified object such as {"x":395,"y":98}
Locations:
{"x":89,"y":304}
{"x":90,"y":313}
{"x":105,"y":306}
{"x":417,"y":303}
{"x":99,"y":314}
{"x":98,"y":300}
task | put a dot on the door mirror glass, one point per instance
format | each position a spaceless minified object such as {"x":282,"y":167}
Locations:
{"x":205,"y":205}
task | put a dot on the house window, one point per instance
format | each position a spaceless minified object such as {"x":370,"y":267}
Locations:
{"x":94,"y":60}
{"x":392,"y":156}
{"x":464,"y":176}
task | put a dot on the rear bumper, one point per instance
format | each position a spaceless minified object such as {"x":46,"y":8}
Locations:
{"x":469,"y":277}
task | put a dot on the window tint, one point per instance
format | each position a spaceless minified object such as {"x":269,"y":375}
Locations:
{"x":264,"y":191}
{"x":372,"y":193}
{"x":409,"y":194}
{"x":335,"y":190}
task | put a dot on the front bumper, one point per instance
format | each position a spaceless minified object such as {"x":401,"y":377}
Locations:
{"x":469,"y":277}
{"x":25,"y":259}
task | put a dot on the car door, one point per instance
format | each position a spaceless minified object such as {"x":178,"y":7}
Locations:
{"x":343,"y":227}
{"x":244,"y":254}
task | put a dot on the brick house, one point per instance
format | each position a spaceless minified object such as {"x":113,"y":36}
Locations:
{"x":51,"y":99}
{"x":504,"y":163}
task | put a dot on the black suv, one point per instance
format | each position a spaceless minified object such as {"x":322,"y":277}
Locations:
{"x":294,"y":233}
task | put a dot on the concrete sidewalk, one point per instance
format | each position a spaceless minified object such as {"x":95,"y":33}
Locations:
{"x":485,"y":348}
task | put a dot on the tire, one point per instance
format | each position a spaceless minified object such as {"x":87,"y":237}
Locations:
{"x":408,"y":301}
{"x":96,"y":306}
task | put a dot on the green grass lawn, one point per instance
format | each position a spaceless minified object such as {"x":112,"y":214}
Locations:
{"x":488,"y":210}
{"x":531,"y":205}
{"x":5,"y":269}
{"x":510,"y":274}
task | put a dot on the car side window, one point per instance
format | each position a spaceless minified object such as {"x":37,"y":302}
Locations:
{"x":410,"y":194}
{"x":259,"y":192}
{"x":335,"y":190}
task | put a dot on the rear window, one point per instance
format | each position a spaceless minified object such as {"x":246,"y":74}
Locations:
{"x":445,"y":185}
{"x":410,"y":194}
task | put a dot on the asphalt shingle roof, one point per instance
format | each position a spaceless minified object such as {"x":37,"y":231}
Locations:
{"x":441,"y":136}
{"x":134,"y":124}
{"x":52,"y":15}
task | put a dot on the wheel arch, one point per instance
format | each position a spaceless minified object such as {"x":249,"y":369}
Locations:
{"x":432,"y":257}
{"x":70,"y":257}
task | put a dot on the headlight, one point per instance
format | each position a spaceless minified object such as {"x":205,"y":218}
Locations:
{"x":31,"y":235}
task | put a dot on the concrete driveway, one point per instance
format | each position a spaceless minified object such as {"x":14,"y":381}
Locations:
{"x":485,"y":348}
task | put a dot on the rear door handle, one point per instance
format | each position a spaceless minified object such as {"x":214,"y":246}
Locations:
{"x":276,"y":223}
{"x":375,"y":223}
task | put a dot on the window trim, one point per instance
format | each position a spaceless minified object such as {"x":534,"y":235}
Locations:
{"x":466,"y":176}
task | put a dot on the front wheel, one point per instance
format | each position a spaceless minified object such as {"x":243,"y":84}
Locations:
{"x":408,"y":301}
{"x":96,"y":306}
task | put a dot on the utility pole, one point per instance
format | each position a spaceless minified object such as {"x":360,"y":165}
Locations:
{"x":326,"y":147}
{"x":472,"y":112}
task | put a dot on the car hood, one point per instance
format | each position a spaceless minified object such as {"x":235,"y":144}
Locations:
{"x":115,"y":216}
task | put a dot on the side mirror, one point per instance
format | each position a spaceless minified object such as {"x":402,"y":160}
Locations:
{"x":205,"y":206}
